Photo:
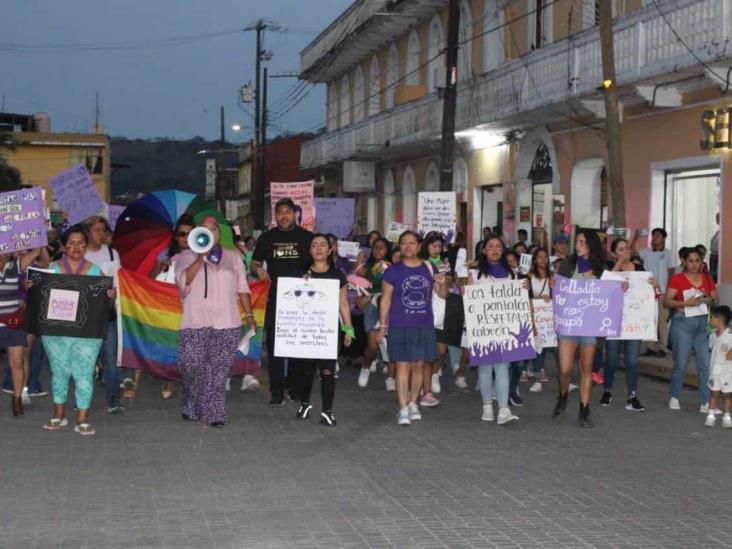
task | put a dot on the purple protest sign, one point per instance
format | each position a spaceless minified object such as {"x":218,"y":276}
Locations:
{"x":498,"y":322}
{"x":335,"y":215}
{"x":113,"y":213}
{"x":22,"y":223}
{"x":588,"y":307}
{"x":75,"y":192}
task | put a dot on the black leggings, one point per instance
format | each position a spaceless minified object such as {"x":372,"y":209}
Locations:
{"x":306,"y":371}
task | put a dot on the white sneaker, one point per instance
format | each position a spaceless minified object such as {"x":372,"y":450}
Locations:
{"x":414,"y":414}
{"x":711,"y":420}
{"x":228,"y":384}
{"x":249,"y":383}
{"x":390,"y":384}
{"x":673,"y":404}
{"x":505,"y":416}
{"x":385,"y":370}
{"x":704,"y":409}
{"x":487,"y":412}
{"x":460,"y":382}
{"x":372,"y":368}
{"x":727,"y":421}
{"x":24,"y":396}
{"x":536,"y":387}
{"x":436,"y":384}
{"x":404,"y":417}
{"x":718,"y":412}
{"x":363,"y":377}
{"x":572,"y":387}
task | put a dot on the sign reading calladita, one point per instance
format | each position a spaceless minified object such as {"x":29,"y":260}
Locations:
{"x":715,"y":129}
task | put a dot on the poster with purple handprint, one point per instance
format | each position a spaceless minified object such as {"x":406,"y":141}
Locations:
{"x":498,"y":322}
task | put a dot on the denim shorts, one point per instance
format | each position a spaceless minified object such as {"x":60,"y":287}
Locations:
{"x":370,"y":317}
{"x":579,"y":340}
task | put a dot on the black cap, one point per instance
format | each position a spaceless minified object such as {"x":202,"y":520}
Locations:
{"x":285,"y":202}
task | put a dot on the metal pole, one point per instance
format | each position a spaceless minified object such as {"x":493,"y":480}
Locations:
{"x":449,"y":97}
{"x":220,"y":167}
{"x":258,"y":183}
{"x":263,"y":143}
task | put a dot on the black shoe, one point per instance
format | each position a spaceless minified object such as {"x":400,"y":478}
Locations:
{"x":186,"y":417}
{"x":303,"y":412}
{"x":649,"y":352}
{"x":634,"y":405}
{"x":217,"y":424}
{"x":327,"y":419}
{"x":584,"y":417}
{"x":277,"y":399}
{"x":515,"y":400}
{"x":561,"y":405}
{"x":607,"y":398}
{"x":661,"y":354}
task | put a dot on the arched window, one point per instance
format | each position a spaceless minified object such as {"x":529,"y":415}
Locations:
{"x":432,"y":178}
{"x":465,"y":35}
{"x":409,"y":197}
{"x":414,"y":54}
{"x":436,"y":65}
{"x":374,"y":93}
{"x":392,"y":76}
{"x":345,"y":102}
{"x":493,"y":50}
{"x":358,"y":94}
{"x":389,"y":192}
{"x":332,"y":110}
{"x":460,"y":178}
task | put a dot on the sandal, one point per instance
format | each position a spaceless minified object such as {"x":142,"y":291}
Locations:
{"x":56,"y":423}
{"x":167,"y":391}
{"x":85,"y":429}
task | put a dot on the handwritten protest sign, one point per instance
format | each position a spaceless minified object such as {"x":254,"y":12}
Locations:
{"x":588,"y":307}
{"x":335,"y":215}
{"x":67,"y":305}
{"x":544,"y":322}
{"x":498,"y":322}
{"x":76,"y":193}
{"x":394,"y":230}
{"x":348,"y":249}
{"x":306,"y":324}
{"x":113,"y":213}
{"x":437,"y":212}
{"x":525,"y":263}
{"x":22,"y":223}
{"x":301,"y":194}
{"x":640,"y":313}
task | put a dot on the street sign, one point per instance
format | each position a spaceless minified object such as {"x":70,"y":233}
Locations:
{"x":210,"y":179}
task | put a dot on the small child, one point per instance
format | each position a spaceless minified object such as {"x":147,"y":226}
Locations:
{"x":720,"y":372}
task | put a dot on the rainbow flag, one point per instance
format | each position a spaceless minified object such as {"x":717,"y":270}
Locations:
{"x":150,"y":317}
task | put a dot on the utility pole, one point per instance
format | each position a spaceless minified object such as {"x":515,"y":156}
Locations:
{"x":612,"y":114}
{"x":263,"y":142}
{"x":219,"y":194}
{"x":449,"y":96}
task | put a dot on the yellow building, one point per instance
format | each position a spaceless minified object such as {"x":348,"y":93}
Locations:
{"x":41,"y":155}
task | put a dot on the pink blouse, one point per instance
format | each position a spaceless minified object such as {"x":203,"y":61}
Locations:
{"x":211,"y":300}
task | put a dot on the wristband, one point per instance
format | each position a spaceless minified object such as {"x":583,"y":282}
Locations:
{"x":249,"y":315}
{"x":349,"y":331}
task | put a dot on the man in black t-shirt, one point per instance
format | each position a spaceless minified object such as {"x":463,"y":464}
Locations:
{"x":286,"y":251}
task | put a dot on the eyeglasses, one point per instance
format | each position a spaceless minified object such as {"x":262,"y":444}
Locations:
{"x":182,"y":233}
{"x":309,"y":293}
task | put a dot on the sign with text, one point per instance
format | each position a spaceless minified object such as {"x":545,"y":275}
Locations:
{"x":394,"y":231}
{"x":306,"y":322}
{"x":75,"y":192}
{"x":302,"y":195}
{"x":498,"y":322}
{"x":640,"y":312}
{"x":525,"y":263}
{"x":335,"y":216}
{"x":22,"y":220}
{"x":67,"y":305}
{"x":588,"y":307}
{"x":544,"y":322}
{"x":436,"y":212}
{"x":113,"y":213}
{"x":348,"y":249}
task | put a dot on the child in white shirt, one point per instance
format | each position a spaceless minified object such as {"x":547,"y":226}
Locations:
{"x":720,"y":371}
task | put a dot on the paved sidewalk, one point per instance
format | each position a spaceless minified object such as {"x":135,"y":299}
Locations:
{"x":653,"y":479}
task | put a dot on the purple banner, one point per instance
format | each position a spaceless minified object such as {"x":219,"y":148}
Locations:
{"x":113,"y":213}
{"x":75,"y":192}
{"x":22,"y":223}
{"x":588,"y":307}
{"x":498,"y":322}
{"x":335,"y":215}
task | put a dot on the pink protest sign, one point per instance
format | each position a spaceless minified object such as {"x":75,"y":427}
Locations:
{"x":301,"y":194}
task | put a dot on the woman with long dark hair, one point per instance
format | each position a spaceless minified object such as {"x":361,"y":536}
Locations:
{"x":540,"y":277}
{"x":587,"y":261}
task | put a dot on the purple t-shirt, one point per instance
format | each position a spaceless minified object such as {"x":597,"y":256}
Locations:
{"x":411,"y":302}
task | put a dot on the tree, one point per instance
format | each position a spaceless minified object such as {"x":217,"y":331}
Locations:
{"x":10,"y":179}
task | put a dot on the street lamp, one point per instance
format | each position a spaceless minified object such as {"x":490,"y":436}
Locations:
{"x":236,"y":127}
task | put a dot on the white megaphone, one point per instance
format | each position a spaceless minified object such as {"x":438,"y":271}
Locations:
{"x":200,"y":240}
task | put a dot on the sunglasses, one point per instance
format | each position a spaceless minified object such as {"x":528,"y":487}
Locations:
{"x":182,"y":233}
{"x":309,"y":293}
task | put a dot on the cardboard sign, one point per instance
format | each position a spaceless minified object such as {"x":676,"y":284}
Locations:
{"x":306,"y":322}
{"x":302,"y":195}
{"x":22,"y":220}
{"x":640,"y":312}
{"x":335,"y":216}
{"x":544,"y":322}
{"x":588,"y":307}
{"x":498,"y":322}
{"x":437,"y":212}
{"x":348,"y":249}
{"x":75,"y":192}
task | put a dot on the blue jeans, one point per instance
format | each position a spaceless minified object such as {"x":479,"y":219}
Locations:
{"x":687,"y":334}
{"x":516,"y":369}
{"x":631,"y":350}
{"x":540,"y":360}
{"x":110,"y":371}
{"x":36,"y":362}
{"x":485,"y":382}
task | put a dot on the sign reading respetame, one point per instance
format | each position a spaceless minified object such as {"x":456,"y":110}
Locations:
{"x":588,"y":307}
{"x":22,"y":220}
{"x":306,"y":323}
{"x":75,"y":192}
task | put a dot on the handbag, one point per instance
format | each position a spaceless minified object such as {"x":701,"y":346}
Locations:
{"x":13,"y":320}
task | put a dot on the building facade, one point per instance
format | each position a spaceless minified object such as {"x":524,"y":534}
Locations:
{"x":530,"y":149}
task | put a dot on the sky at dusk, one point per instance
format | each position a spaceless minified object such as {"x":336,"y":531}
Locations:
{"x":148,"y":90}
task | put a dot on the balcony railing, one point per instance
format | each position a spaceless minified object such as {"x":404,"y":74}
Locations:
{"x":645,"y":47}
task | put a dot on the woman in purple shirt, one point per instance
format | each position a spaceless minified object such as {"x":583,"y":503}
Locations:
{"x":406,"y":309}
{"x":212,"y":286}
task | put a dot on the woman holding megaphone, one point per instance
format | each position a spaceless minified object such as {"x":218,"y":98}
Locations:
{"x":212,"y":283}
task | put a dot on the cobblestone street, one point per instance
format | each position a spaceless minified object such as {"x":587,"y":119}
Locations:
{"x":653,"y":479}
